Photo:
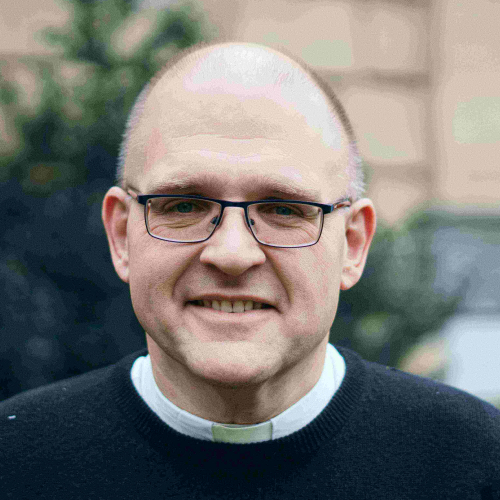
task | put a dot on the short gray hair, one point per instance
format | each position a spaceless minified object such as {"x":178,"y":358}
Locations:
{"x":132,"y":122}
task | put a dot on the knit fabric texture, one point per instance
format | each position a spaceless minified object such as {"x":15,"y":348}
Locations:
{"x":384,"y":435}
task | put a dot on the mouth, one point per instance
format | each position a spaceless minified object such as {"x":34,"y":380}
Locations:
{"x":237,"y":306}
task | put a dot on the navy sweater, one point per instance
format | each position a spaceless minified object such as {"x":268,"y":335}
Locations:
{"x":384,"y":435}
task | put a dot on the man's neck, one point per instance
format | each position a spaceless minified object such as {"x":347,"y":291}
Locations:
{"x":243,"y":404}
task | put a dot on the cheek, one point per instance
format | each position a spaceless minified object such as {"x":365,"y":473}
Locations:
{"x":323,"y":265}
{"x":155,"y":267}
{"x":319,"y":279}
{"x":312,"y":282}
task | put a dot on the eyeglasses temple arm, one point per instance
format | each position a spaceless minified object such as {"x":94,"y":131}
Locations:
{"x":342,"y":204}
{"x":132,"y":192}
{"x":338,"y":204}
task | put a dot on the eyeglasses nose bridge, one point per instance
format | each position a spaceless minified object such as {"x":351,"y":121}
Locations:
{"x":247,"y":219}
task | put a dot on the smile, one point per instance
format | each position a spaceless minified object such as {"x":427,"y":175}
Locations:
{"x":238,"y":306}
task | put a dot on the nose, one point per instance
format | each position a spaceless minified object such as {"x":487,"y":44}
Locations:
{"x":232,"y":248}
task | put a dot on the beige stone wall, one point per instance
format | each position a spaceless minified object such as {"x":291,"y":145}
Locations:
{"x":466,"y":102}
{"x":420,"y":80}
{"x":21,"y":24}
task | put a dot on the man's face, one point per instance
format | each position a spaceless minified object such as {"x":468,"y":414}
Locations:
{"x":238,"y":148}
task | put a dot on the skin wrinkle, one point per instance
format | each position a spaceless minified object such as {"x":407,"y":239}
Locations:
{"x":205,"y":362}
{"x":206,"y":183}
{"x":287,"y":164}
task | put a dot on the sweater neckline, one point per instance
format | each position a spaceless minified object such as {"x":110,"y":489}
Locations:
{"x":166,"y":440}
{"x":287,"y":422}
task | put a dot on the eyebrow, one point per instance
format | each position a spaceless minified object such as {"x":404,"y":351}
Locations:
{"x":270,"y":185}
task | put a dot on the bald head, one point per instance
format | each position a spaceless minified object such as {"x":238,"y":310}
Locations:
{"x":238,"y":90}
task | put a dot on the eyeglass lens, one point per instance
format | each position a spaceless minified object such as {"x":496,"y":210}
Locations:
{"x":274,"y":223}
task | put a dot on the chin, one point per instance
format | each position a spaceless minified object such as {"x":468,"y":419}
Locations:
{"x":232,"y":364}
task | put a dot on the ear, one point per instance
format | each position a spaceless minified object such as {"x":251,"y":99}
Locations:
{"x":114,"y":217}
{"x":359,"y":231}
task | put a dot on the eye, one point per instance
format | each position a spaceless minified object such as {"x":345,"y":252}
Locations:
{"x":177,"y":207}
{"x":283,"y":210}
{"x":184,"y":207}
{"x":287,"y":210}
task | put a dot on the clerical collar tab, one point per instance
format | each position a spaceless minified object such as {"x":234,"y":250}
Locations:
{"x":233,"y":433}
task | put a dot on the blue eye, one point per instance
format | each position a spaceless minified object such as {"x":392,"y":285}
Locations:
{"x":184,"y":207}
{"x":281,"y":210}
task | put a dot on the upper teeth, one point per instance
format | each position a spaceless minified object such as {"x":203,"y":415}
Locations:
{"x":238,"y":306}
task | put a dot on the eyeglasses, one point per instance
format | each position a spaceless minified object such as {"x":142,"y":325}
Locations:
{"x":272,"y":222}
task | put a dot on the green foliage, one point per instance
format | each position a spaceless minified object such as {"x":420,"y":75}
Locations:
{"x":63,"y":309}
{"x":78,"y":127}
{"x":7,"y":93}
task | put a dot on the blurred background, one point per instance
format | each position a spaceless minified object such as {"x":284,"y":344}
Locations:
{"x":421,"y":83}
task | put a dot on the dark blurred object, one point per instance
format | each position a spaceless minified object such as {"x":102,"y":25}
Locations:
{"x":63,"y":309}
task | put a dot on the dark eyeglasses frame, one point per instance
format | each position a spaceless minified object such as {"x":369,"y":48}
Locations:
{"x":325,"y":208}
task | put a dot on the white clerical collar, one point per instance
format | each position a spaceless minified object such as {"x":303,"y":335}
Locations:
{"x":291,"y":420}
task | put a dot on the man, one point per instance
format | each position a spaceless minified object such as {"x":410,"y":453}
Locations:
{"x":238,"y":219}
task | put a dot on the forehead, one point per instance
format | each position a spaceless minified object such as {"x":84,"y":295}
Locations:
{"x":205,"y":181}
{"x":211,"y":164}
{"x":241,"y":135}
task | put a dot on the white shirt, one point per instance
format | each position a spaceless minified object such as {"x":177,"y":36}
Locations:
{"x":291,"y":420}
